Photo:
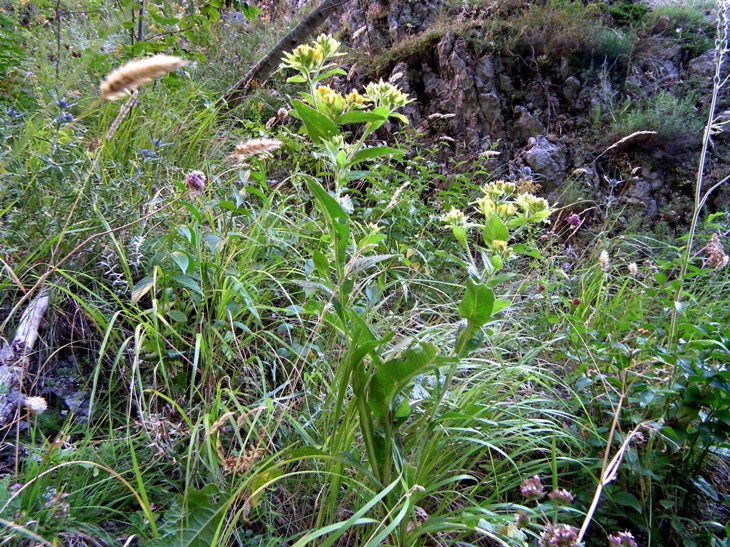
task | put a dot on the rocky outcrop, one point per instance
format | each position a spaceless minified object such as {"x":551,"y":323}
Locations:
{"x":539,"y":111}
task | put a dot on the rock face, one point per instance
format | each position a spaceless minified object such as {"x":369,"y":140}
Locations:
{"x":541,"y":111}
{"x":465,"y":86}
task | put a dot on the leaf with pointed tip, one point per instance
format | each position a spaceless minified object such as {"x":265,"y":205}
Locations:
{"x":393,"y":375}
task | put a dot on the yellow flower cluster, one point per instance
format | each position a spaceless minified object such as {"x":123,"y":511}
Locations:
{"x":306,"y":58}
{"x":385,"y":94}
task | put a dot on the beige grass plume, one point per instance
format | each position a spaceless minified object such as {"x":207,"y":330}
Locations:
{"x":133,"y":74}
{"x":255,"y":146}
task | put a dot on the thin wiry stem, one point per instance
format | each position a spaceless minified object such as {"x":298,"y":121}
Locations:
{"x":721,"y":49}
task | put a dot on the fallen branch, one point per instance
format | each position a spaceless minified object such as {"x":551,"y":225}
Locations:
{"x":14,"y":356}
{"x":261,"y":71}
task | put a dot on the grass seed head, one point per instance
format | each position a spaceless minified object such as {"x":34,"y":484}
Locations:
{"x":255,"y":146}
{"x":133,"y":74}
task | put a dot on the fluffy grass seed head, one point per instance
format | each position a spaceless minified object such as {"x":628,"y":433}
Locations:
{"x":604,"y":260}
{"x":254,"y":147}
{"x":133,"y":74}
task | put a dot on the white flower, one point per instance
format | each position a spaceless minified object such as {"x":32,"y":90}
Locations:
{"x":35,"y":405}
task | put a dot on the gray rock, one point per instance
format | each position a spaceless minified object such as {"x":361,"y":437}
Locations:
{"x":526,"y":125}
{"x":547,"y":160}
{"x":702,"y":66}
{"x":571,"y":90}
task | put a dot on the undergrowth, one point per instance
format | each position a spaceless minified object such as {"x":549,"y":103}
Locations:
{"x":266,"y":327}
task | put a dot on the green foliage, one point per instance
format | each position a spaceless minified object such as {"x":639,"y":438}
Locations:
{"x":674,"y":120}
{"x":291,"y":352}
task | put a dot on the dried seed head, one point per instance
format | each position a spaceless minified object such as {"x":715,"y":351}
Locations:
{"x":604,"y":260}
{"x":133,"y":74}
{"x":716,"y":257}
{"x":633,"y":269}
{"x":255,"y":146}
{"x":35,"y":405}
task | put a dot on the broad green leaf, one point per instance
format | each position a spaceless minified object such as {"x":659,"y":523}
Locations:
{"x":499,"y":305}
{"x":317,"y":124}
{"x":627,"y":500}
{"x":141,"y":288}
{"x":478,"y":303}
{"x":330,"y":73}
{"x":181,"y":259}
{"x":187,"y":282}
{"x":358,"y":116}
{"x":298,"y":79}
{"x":336,"y":216}
{"x":399,"y":116}
{"x":260,"y":481}
{"x":366,"y":262}
{"x":494,"y":229}
{"x":198,"y":524}
{"x":375,"y":152}
{"x":177,"y":316}
{"x":393,"y":375}
{"x":321,"y":264}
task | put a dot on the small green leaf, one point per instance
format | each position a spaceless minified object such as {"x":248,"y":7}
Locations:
{"x":177,"y":316}
{"x":321,"y":264}
{"x":337,"y":218}
{"x":358,"y":116}
{"x":393,"y":375}
{"x":187,"y":282}
{"x":181,"y":259}
{"x":627,"y":500}
{"x":375,"y":152}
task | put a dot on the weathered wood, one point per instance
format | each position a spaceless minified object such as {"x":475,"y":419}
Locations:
{"x":261,"y":71}
{"x":14,"y":356}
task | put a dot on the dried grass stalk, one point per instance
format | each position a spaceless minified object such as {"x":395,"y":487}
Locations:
{"x":122,"y":114}
{"x":130,"y":76}
{"x":255,"y":146}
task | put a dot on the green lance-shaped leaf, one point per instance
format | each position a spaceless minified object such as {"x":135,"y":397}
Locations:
{"x":478,"y":303}
{"x":318,"y":125}
{"x":336,"y":217}
{"x":360,"y":116}
{"x":375,"y":152}
{"x":393,"y":375}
